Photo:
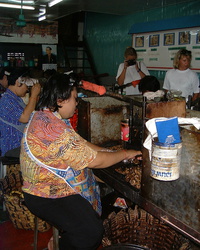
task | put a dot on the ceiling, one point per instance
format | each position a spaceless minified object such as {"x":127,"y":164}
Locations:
{"x":67,"y":7}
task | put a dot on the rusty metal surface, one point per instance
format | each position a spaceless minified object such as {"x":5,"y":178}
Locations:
{"x":102,"y":118}
{"x":83,"y":126}
{"x":166,"y":109}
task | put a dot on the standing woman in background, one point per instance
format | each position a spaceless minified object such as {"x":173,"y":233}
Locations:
{"x":131,"y":70}
{"x":182,"y":77}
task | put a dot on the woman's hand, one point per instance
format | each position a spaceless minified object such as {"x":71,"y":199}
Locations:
{"x":132,"y":154}
{"x":106,"y":159}
{"x":125,"y":64}
{"x":35,"y":90}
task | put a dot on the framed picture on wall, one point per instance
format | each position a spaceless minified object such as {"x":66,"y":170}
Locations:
{"x":154,"y":40}
{"x":139,"y":41}
{"x":198,"y":37}
{"x":184,"y":37}
{"x":49,"y":57}
{"x":169,"y":39}
{"x":49,"y":53}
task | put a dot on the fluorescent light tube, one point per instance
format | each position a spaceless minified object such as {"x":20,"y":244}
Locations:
{"x":41,"y":18}
{"x":20,"y":1}
{"x":53,"y":2}
{"x":16,"y":6}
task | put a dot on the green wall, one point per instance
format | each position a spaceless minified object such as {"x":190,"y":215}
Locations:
{"x":107,"y":35}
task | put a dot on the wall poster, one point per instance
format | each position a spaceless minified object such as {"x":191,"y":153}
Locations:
{"x":49,"y":56}
{"x":184,"y":37}
{"x":158,"y":48}
{"x":169,"y":39}
{"x":139,"y":41}
{"x":154,"y":40}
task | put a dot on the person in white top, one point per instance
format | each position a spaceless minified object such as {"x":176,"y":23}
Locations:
{"x":131,"y":70}
{"x":182,"y":77}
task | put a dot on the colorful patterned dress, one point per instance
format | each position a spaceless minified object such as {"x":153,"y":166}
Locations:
{"x":54,"y":160}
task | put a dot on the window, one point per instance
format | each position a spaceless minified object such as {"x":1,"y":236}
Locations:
{"x":15,"y":55}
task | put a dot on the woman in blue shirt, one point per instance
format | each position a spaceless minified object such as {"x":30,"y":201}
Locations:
{"x":14,"y":113}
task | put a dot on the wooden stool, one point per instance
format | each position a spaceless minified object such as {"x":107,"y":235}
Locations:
{"x":55,"y":236}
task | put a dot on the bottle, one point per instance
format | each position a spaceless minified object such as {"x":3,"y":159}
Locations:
{"x":125,"y":130}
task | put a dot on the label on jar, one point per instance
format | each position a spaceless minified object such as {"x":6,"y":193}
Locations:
{"x":125,"y":130}
{"x":165,"y":163}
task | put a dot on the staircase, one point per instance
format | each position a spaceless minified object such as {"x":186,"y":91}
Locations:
{"x":79,"y":59}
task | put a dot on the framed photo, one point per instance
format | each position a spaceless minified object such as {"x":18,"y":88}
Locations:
{"x":139,"y":41}
{"x":49,"y":54}
{"x":184,"y":37}
{"x":154,"y":40}
{"x":169,"y":39}
{"x":198,"y":37}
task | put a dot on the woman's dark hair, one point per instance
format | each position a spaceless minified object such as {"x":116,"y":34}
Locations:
{"x":49,"y":72}
{"x":58,"y":87}
{"x":149,"y":83}
{"x":15,"y":74}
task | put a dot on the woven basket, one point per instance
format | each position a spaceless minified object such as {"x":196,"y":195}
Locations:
{"x":11,"y":191}
{"x":140,"y":228}
{"x":11,"y":182}
{"x":12,"y":168}
{"x":19,"y":214}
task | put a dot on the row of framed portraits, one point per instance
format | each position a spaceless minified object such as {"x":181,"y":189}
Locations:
{"x":184,"y":38}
